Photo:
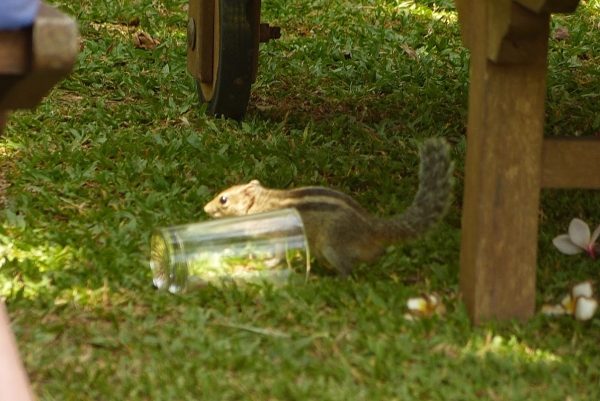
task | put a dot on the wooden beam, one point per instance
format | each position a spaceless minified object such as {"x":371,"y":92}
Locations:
{"x":550,"y":6}
{"x":513,"y":32}
{"x":502,"y":179}
{"x":571,"y":163}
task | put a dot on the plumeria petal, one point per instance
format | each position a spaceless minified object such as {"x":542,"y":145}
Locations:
{"x":564,"y":244}
{"x":583,"y":289}
{"x":435,"y":302}
{"x":418,"y":305}
{"x":585,"y":308}
{"x":425,"y":305}
{"x":595,"y":235}
{"x":553,"y":310}
{"x":579,"y":232}
{"x":410,"y":318}
{"x":568,"y":304}
{"x":434,"y":299}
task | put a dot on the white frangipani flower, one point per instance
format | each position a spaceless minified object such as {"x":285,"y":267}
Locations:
{"x":579,"y":303}
{"x":425,"y":305}
{"x":578,"y":239}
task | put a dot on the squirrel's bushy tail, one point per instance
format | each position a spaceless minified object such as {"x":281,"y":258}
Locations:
{"x":433,"y":197}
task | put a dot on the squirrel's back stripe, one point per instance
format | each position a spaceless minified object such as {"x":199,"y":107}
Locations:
{"x":319,"y":199}
{"x":322,"y":194}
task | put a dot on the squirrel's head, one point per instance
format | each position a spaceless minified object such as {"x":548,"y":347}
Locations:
{"x":234,"y":201}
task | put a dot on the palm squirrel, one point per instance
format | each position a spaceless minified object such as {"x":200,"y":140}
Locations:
{"x":339,"y":230}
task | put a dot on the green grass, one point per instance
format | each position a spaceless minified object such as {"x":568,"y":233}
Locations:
{"x":121,"y":146}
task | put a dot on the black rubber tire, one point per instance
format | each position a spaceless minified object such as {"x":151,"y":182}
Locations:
{"x":235,"y":51}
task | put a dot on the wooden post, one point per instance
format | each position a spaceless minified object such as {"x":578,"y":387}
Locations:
{"x":502,"y":182}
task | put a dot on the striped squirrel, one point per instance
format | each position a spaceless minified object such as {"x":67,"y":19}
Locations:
{"x":339,"y":230}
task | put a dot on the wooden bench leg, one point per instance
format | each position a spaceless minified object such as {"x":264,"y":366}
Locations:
{"x":502,"y":183}
{"x":3,"y":118}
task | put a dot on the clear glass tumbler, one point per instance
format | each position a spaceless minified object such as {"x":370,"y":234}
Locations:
{"x":254,"y":248}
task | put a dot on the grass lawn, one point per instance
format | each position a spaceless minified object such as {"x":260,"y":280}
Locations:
{"x":342,"y":99}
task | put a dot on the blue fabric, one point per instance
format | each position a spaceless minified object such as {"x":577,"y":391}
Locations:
{"x":15,"y":14}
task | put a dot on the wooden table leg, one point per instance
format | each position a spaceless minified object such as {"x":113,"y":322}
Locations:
{"x":502,"y":183}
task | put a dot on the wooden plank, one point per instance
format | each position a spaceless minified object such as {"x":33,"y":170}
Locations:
{"x":571,"y":163}
{"x":502,"y":182}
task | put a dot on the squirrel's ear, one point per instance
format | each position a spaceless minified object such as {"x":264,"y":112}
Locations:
{"x":251,"y":187}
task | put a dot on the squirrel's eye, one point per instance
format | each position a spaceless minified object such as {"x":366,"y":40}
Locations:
{"x":223,"y":200}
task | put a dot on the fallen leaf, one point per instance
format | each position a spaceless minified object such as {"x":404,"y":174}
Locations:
{"x":561,"y":33}
{"x":142,"y":40}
